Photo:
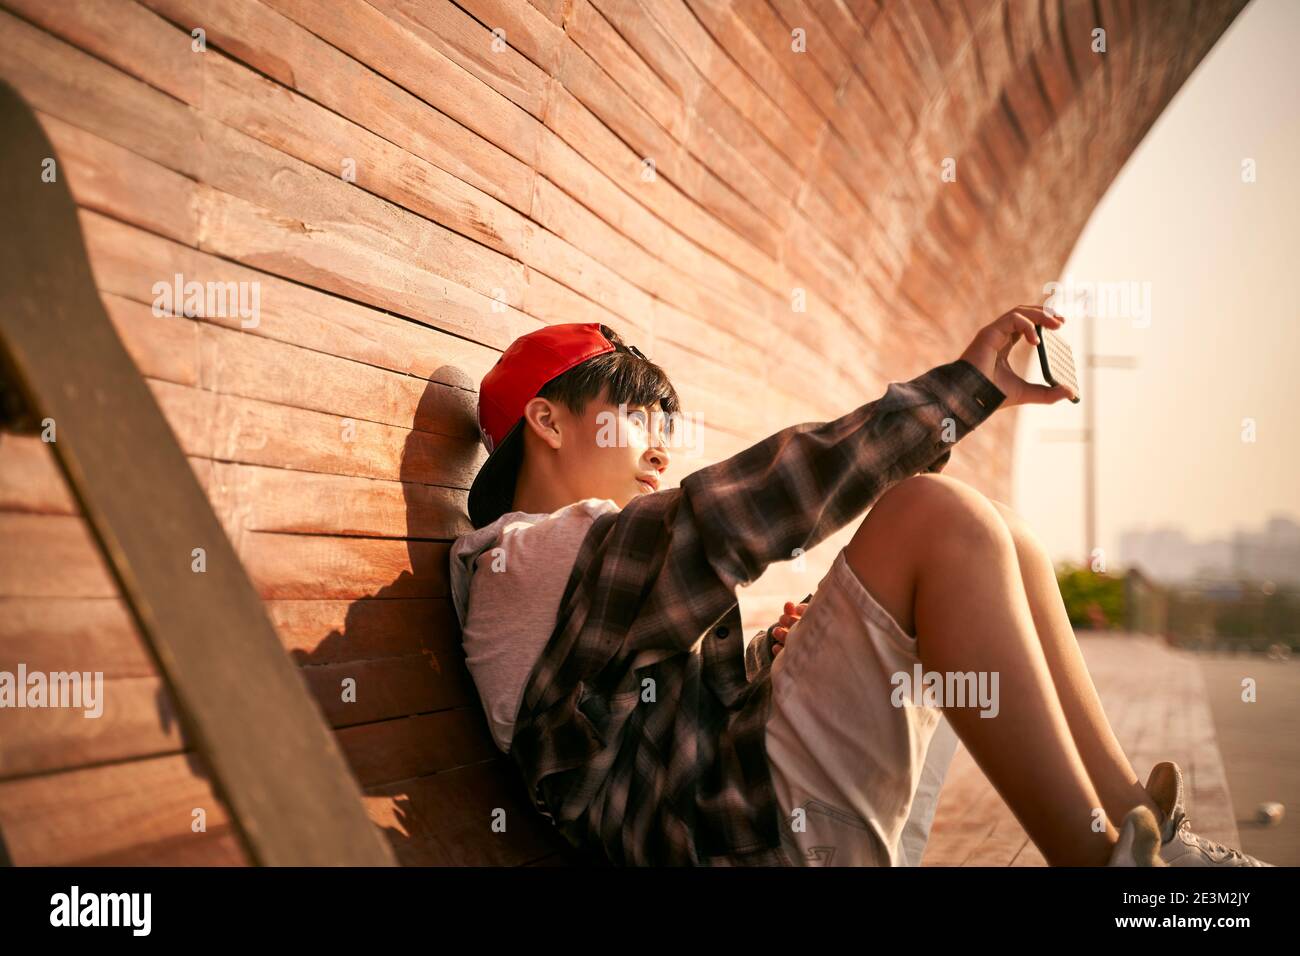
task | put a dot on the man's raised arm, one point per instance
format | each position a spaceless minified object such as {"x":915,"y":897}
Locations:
{"x":792,"y":490}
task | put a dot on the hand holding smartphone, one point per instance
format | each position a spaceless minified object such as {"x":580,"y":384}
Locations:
{"x":989,"y":352}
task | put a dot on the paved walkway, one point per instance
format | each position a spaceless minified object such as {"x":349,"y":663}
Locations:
{"x":1155,"y":699}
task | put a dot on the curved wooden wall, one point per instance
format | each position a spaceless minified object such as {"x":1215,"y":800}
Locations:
{"x":499,"y":185}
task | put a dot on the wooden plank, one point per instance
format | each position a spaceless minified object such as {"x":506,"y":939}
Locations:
{"x":890,"y":76}
{"x":722,"y":139}
{"x":29,"y":478}
{"x":370,"y":36}
{"x":387,"y":689}
{"x":351,"y":227}
{"x":253,"y":498}
{"x":573,"y":174}
{"x":229,"y":96}
{"x":113,"y":180}
{"x":67,"y":634}
{"x":402,"y":656}
{"x":216,"y":359}
{"x":822,"y":75}
{"x":138,"y":813}
{"x":396,"y":53}
{"x":141,"y":813}
{"x":148,"y":512}
{"x":389,"y":751}
{"x":291,"y":566}
{"x":210,"y":425}
{"x":128,"y":718}
{"x":301,"y":503}
{"x":106,"y":102}
{"x":90,"y":150}
{"x":271,"y":47}
{"x":127,"y":262}
{"x":446,"y":819}
{"x":337,"y":631}
{"x":125,"y":35}
{"x":310,"y":485}
{"x":51,"y":556}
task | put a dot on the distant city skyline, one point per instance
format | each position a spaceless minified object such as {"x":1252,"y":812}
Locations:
{"x":1200,"y":434}
{"x":1167,"y":554}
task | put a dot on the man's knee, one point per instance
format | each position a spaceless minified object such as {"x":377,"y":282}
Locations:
{"x":1027,"y":543}
{"x":938,"y":511}
{"x":917,"y":521}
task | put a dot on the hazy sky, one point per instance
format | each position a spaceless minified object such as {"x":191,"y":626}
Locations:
{"x":1222,"y":342}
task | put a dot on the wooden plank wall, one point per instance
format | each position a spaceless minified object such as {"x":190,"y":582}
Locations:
{"x":409,"y":191}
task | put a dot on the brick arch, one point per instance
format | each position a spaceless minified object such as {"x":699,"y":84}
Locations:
{"x":989,"y":79}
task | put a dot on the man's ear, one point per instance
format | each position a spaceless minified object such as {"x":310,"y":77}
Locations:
{"x":542,"y":418}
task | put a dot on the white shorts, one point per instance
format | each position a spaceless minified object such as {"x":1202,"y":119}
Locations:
{"x":866,"y":774}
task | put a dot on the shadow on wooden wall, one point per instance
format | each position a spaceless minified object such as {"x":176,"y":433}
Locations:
{"x":417,"y":736}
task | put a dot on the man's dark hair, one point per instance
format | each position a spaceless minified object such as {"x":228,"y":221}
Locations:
{"x":631,"y":379}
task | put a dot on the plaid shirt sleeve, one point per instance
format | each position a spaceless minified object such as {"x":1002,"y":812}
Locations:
{"x":943,"y":405}
{"x":758,"y":652}
{"x":798,"y":486}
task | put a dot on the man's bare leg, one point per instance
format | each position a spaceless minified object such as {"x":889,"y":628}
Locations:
{"x":937,"y":555}
{"x":1116,"y":781}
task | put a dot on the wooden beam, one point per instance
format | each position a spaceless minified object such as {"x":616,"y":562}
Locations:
{"x":276,"y":765}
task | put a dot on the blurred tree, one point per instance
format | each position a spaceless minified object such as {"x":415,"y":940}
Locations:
{"x":1092,"y":600}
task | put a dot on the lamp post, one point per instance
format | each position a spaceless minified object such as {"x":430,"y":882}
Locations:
{"x":1088,"y":434}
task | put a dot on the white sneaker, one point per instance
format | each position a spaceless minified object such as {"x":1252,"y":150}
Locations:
{"x":1139,"y":839}
{"x":1179,"y":846}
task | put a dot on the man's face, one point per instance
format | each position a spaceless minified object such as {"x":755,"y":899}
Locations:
{"x":606,"y":452}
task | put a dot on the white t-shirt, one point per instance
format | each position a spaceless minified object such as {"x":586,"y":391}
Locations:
{"x":507,"y":579}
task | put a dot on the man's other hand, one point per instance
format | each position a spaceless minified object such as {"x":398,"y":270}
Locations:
{"x":782,"y":627}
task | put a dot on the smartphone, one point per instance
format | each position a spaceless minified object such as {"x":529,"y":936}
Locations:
{"x":1057,"y":360}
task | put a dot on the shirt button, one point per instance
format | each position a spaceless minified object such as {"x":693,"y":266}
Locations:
{"x":722,"y":631}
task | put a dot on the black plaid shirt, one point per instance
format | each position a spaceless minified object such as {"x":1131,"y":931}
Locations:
{"x":641,"y":728}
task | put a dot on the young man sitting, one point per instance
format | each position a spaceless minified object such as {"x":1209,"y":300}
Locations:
{"x":601,"y":625}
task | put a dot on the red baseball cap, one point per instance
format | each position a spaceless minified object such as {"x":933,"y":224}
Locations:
{"x":528,"y":363}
